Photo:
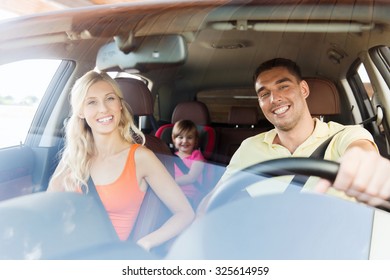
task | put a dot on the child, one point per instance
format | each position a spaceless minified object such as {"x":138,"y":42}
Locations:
{"x":188,"y":175}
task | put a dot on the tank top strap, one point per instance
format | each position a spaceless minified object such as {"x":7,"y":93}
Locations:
{"x":130,"y":163}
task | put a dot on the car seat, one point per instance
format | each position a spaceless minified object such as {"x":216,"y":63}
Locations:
{"x":197,"y":112}
{"x":323,"y":100}
{"x":243,"y":123}
{"x":138,"y":96}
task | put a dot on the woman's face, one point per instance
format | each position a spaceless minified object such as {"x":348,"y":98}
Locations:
{"x":102,"y":108}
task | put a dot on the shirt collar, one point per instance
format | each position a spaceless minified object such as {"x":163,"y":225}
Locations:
{"x":321,"y":129}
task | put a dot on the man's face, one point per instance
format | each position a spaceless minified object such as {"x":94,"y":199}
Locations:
{"x":281,"y":97}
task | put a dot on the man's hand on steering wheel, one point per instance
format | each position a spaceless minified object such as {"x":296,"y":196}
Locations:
{"x":363,"y":175}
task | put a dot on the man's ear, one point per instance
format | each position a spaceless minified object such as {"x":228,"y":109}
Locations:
{"x":304,"y":88}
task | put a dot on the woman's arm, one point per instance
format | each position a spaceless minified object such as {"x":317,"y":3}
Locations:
{"x":56,"y":182}
{"x":153,"y":171}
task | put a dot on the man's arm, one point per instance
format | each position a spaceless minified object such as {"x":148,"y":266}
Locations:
{"x":363,"y":174}
{"x":363,"y":144}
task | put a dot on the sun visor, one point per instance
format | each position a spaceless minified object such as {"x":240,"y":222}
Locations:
{"x":146,"y":53}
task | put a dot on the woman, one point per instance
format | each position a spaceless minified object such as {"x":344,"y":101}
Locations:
{"x":103,"y":142}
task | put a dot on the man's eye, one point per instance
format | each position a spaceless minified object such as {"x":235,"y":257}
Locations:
{"x":264,"y":94}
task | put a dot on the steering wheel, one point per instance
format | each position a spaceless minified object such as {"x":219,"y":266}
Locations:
{"x":277,"y":167}
{"x":275,"y":226}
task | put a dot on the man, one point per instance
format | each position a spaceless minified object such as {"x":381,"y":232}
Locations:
{"x":282,"y":97}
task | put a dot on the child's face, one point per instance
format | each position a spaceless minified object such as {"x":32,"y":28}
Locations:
{"x":185,"y":142}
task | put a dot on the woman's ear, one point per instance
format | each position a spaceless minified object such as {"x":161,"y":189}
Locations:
{"x":304,"y":88}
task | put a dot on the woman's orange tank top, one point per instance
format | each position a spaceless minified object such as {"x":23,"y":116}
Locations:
{"x":122,"y":199}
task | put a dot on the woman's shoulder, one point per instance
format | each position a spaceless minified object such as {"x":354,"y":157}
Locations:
{"x":141,"y":152}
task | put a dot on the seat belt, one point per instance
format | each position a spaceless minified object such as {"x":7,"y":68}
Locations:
{"x":93,"y":192}
{"x":318,"y":153}
{"x":184,"y":168}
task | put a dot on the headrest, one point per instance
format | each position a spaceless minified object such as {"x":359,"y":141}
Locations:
{"x":195,"y":111}
{"x":137,"y":95}
{"x":243,"y":115}
{"x":324,"y":98}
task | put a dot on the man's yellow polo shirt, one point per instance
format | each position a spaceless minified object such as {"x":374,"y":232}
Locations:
{"x":260,"y":148}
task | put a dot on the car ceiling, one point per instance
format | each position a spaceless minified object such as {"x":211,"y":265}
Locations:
{"x":217,"y":34}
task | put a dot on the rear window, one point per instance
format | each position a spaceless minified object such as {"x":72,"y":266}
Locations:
{"x":220,"y":101}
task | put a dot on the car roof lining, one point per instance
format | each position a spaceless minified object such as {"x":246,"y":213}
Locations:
{"x":78,"y":28}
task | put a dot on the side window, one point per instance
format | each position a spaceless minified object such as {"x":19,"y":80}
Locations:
{"x":381,"y":59}
{"x":362,"y":72}
{"x":367,"y":102}
{"x":22,"y":86}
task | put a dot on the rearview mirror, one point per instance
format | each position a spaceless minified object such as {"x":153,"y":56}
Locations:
{"x":149,"y":52}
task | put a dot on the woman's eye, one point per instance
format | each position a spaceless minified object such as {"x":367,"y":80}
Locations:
{"x":91,"y":102}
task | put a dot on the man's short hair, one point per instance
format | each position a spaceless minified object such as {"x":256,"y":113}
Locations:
{"x":290,"y":65}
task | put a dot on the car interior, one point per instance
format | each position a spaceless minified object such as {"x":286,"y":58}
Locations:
{"x":195,"y":60}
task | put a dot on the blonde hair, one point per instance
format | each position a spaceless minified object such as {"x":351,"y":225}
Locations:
{"x":80,"y":145}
